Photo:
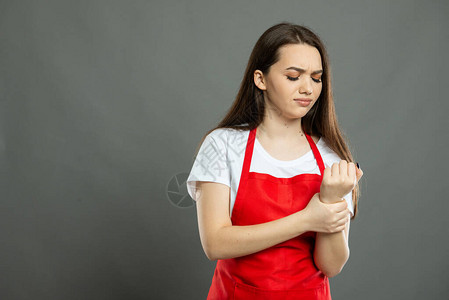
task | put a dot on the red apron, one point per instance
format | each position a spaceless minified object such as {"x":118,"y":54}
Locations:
{"x":283,"y":271}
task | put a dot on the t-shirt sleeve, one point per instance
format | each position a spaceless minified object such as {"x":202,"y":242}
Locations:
{"x":210,"y":164}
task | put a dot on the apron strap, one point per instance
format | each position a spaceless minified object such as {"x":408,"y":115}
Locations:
{"x":248,"y":152}
{"x":316,"y":153}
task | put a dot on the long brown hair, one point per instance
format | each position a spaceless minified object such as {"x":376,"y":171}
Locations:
{"x":248,"y":109}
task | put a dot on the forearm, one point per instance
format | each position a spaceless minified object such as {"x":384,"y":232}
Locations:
{"x":234,"y":241}
{"x":331,"y":249}
{"x":331,"y":252}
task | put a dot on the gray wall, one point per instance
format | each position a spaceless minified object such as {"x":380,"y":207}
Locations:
{"x":104,"y":102}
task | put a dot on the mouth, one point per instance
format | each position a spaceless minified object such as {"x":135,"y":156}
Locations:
{"x":303,"y":101}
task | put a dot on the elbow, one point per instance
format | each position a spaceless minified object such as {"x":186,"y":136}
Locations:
{"x":216,"y":252}
{"x":210,"y":255}
{"x":214,"y":247}
{"x":210,"y":251}
{"x":333,"y":270}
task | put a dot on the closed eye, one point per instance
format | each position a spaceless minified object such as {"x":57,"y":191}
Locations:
{"x":296,"y":78}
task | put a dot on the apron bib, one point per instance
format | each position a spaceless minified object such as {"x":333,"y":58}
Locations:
{"x":286,"y":270}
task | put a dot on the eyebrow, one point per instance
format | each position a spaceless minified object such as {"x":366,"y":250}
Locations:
{"x":302,"y":70}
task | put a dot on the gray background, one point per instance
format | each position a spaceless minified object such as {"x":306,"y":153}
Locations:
{"x":104,"y":102}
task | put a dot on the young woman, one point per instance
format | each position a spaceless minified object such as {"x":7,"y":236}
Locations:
{"x":274,"y":182}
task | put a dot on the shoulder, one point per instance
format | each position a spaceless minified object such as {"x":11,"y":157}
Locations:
{"x":218,"y":134}
{"x":229,"y":142}
{"x":227,"y":135}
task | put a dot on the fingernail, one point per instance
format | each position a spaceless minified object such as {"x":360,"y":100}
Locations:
{"x":358,"y":166}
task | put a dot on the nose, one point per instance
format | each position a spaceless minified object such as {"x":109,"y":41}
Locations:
{"x":305,"y":87}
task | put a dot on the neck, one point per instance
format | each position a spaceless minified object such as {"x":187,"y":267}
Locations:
{"x":275,"y":127}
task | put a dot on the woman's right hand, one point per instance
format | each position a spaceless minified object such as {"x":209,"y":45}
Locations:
{"x":326,"y":217}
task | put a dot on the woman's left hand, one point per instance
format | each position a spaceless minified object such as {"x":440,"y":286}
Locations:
{"x":339,"y":180}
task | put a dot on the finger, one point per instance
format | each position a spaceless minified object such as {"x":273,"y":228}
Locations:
{"x":327,"y":172}
{"x":341,"y":223}
{"x":343,"y":219}
{"x":359,"y":174}
{"x":343,"y":168}
{"x":352,"y":172}
{"x":341,"y":228}
{"x":335,"y":169}
{"x":337,"y":228}
{"x":341,"y":215}
{"x":340,"y":205}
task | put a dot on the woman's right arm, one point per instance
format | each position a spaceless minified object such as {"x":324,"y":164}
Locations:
{"x":220,"y":239}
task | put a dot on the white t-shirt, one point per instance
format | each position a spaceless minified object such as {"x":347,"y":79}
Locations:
{"x":220,"y":159}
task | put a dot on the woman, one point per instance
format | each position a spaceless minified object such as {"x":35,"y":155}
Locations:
{"x":269,"y":211}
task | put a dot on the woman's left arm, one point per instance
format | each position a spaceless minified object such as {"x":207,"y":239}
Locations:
{"x":332,"y":251}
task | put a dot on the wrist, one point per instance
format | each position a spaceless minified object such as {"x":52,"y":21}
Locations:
{"x":330,"y":199}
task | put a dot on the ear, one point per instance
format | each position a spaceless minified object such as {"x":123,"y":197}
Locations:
{"x":259,"y":80}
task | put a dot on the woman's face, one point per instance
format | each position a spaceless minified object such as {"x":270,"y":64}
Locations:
{"x":296,"y":75}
